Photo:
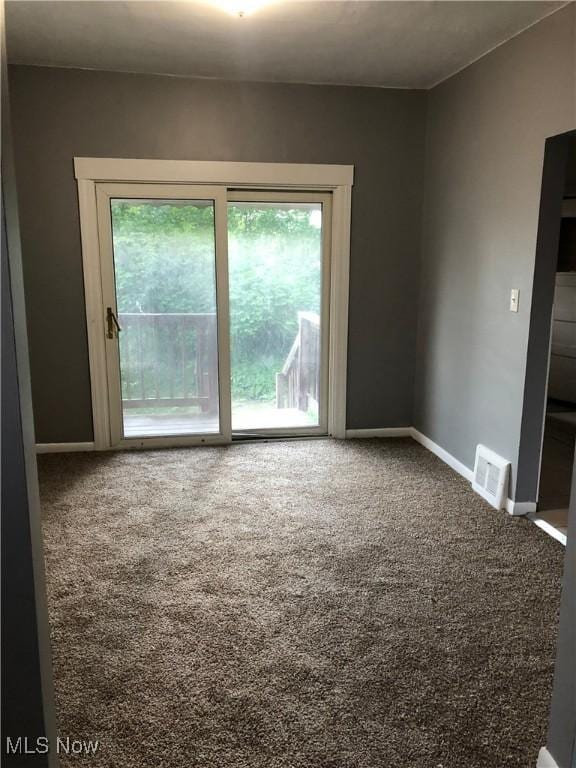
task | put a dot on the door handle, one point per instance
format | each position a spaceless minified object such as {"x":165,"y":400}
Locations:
{"x":112,"y":323}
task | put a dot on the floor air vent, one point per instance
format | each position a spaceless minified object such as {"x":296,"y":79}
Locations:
{"x":491,"y":473}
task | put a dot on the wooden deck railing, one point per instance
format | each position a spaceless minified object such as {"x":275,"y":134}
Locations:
{"x":298,"y":384}
{"x":169,"y":359}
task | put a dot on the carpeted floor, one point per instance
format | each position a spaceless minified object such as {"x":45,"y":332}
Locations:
{"x":295,"y":605}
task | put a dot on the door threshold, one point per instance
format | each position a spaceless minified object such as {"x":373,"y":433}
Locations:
{"x":259,"y":437}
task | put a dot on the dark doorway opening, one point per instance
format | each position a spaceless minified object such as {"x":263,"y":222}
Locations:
{"x":549,"y":413}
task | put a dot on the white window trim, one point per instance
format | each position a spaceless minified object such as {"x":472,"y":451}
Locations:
{"x":208,"y":172}
{"x":337,"y":179}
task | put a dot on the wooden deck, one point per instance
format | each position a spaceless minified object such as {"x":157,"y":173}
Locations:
{"x":245,"y":416}
{"x":169,"y":378}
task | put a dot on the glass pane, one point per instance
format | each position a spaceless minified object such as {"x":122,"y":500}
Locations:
{"x":275,"y":262}
{"x":164,"y":260}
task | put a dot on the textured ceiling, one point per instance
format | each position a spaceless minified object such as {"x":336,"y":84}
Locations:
{"x":387,"y":44}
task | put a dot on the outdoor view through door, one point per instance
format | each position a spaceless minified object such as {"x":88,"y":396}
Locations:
{"x":162,"y":313}
{"x":275,"y":282}
{"x":164,"y":263}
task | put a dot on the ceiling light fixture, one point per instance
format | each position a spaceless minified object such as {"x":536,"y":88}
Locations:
{"x":241,"y":8}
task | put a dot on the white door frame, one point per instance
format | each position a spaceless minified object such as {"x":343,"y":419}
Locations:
{"x":337,"y":179}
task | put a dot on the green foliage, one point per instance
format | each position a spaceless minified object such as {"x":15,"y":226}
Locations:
{"x":255,"y":379}
{"x":164,"y":257}
{"x":164,"y":260}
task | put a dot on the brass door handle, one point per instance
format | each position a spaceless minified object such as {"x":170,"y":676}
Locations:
{"x":112,"y":323}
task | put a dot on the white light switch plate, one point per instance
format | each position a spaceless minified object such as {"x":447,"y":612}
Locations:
{"x":514,"y":299}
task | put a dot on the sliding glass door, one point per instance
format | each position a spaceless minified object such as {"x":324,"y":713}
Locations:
{"x":279,"y":294}
{"x":216,"y":308}
{"x":164,"y":281}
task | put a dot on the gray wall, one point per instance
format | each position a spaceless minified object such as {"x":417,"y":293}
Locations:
{"x":22,"y":700}
{"x":484,"y":153}
{"x":59,"y":113}
{"x":27,"y":693}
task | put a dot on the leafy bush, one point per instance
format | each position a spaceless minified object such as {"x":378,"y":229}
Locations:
{"x":164,"y":260}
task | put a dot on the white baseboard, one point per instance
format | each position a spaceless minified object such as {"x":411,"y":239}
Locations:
{"x":520,"y":507}
{"x":446,"y":457}
{"x":382,"y":432}
{"x":63,"y":447}
{"x":545,"y":759}
{"x":512,"y":507}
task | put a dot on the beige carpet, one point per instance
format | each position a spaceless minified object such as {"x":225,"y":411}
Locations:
{"x":295,"y":605}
